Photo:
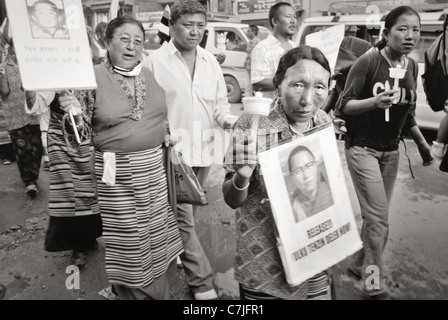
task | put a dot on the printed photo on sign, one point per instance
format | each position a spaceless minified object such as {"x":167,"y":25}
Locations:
{"x":306,"y":179}
{"x":310,"y":203}
{"x":51,"y":39}
{"x":47,"y":19}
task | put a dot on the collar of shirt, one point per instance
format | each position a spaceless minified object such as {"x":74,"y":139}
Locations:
{"x":200,"y":52}
{"x":277,"y":42}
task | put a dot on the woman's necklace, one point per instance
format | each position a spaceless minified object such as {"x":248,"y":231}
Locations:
{"x":300,"y":128}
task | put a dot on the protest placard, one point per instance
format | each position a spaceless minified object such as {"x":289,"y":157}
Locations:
{"x":328,"y":41}
{"x":51,"y":44}
{"x":310,"y":202}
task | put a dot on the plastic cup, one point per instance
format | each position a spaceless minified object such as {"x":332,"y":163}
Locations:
{"x":257,"y":105}
{"x":397,"y":73}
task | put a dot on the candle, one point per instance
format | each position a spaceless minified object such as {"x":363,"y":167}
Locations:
{"x":386,"y":111}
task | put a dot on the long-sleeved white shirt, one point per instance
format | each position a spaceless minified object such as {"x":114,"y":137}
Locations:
{"x":41,"y":107}
{"x":193,"y":103}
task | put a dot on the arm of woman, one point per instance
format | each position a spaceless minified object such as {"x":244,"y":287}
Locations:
{"x":235,"y":187}
{"x":80,"y":104}
{"x":38,"y":102}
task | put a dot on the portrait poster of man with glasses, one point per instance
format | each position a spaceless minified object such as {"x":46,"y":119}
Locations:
{"x":307,"y":183}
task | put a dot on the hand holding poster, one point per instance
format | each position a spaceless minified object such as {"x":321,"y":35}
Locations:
{"x":310,"y":202}
{"x":51,"y":44}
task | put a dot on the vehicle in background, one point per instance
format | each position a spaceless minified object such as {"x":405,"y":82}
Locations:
{"x":233,"y":69}
{"x":366,"y":27}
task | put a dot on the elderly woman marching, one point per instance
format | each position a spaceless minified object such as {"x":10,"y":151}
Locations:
{"x":125,"y":117}
{"x":302,"y":81}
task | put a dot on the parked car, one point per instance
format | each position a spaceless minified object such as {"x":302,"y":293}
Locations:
{"x":364,"y":26}
{"x":233,"y":67}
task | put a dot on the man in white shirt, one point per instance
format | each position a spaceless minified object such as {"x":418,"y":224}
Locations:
{"x":196,"y":96}
{"x":267,"y":53}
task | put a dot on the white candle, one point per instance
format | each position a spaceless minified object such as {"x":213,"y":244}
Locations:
{"x":386,"y":111}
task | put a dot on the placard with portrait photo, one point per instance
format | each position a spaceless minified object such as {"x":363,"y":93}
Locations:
{"x":51,"y":44}
{"x":310,"y":202}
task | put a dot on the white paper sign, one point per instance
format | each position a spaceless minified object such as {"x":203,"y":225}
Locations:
{"x":328,"y":41}
{"x":51,"y":44}
{"x":311,"y":205}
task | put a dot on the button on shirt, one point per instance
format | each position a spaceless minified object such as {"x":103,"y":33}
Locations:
{"x":265,"y":58}
{"x":193,"y":103}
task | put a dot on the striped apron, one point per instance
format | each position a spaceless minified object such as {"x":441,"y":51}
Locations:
{"x":139,"y":229}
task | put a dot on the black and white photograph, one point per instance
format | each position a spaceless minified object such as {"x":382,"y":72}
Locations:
{"x":47,"y":19}
{"x":307,"y":181}
{"x":309,"y":200}
{"x":316,"y":133}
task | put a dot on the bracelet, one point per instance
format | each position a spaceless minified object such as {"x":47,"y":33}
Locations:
{"x":235,"y":186}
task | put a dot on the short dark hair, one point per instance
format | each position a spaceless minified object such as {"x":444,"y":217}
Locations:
{"x":254,"y":29}
{"x":295,"y":151}
{"x":118,"y":22}
{"x":183,"y":7}
{"x":274,"y":9}
{"x":292,"y":56}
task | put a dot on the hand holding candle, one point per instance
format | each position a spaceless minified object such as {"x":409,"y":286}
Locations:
{"x":256,"y":106}
{"x":396,"y":74}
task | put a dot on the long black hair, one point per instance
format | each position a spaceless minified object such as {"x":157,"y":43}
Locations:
{"x":391,"y":20}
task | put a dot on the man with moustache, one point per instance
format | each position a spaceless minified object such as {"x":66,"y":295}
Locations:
{"x":196,"y":96}
{"x":267,"y":53}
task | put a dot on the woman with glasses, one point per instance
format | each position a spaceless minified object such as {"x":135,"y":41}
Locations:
{"x":302,"y":80}
{"x":125,"y":117}
{"x":311,"y":192}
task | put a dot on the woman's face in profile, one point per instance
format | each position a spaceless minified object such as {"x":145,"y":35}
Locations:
{"x":46,"y":15}
{"x":304,"y":90}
